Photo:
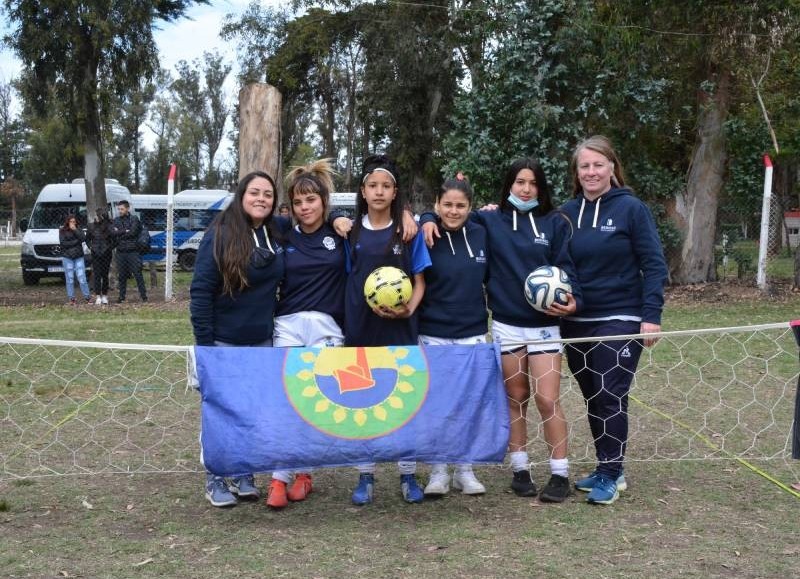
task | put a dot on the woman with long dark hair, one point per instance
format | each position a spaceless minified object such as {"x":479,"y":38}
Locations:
{"x":71,"y":238}
{"x":233,"y":293}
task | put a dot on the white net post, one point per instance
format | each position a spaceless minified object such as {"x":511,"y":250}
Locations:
{"x":170,"y":229}
{"x":763,"y":244}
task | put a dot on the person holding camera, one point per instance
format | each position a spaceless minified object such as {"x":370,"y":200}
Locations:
{"x":125,"y":230}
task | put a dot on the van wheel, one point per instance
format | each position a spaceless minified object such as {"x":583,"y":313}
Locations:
{"x":29,"y":278}
{"x":186,"y":259}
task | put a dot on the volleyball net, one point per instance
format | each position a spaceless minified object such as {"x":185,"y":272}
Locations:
{"x":89,"y":408}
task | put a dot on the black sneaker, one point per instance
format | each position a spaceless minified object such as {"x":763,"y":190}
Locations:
{"x":556,"y":490}
{"x":523,"y":485}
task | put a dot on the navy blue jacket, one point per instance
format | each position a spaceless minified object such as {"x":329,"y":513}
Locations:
{"x":618,"y":257}
{"x":244,"y":318}
{"x":315,"y":272}
{"x":454,"y":305}
{"x":514,"y":253}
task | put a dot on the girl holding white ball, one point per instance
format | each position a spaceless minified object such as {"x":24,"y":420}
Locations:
{"x":524,"y":234}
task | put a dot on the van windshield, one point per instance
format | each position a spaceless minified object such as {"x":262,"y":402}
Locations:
{"x":52,"y":215}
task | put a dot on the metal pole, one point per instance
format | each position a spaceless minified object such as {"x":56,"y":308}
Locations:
{"x":763,"y":243}
{"x":168,"y":294}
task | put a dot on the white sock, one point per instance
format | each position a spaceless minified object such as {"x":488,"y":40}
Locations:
{"x":440,"y":468}
{"x":519,"y":460}
{"x":368,"y":468}
{"x":407,"y":467}
{"x":282,"y":475}
{"x":464,"y":468}
{"x":559,"y":466}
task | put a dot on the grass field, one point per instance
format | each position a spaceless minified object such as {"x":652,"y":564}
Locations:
{"x":690,"y":511}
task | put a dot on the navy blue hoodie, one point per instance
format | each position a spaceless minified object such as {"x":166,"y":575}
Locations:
{"x":454,"y":305}
{"x":618,"y":257}
{"x":244,"y":318}
{"x":517,"y":246}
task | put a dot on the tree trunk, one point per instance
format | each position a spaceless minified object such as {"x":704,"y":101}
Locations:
{"x":796,"y":284}
{"x":260,"y":130}
{"x":696,"y":207}
{"x":93,"y":170}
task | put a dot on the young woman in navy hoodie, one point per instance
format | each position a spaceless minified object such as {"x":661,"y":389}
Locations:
{"x":453,"y":310}
{"x":233,"y":292}
{"x":526,"y":233}
{"x":622,"y":272}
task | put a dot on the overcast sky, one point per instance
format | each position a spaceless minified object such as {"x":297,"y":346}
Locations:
{"x":186,"y":39}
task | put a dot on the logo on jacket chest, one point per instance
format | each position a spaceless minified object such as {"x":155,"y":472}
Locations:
{"x":329,"y":243}
{"x":608,"y":226}
{"x":541,"y":240}
{"x":481,"y":257}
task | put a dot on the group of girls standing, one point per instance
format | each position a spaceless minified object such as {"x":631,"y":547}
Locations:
{"x":617,"y":273}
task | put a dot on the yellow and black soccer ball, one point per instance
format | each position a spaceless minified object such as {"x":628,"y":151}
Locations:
{"x":387,"y":286}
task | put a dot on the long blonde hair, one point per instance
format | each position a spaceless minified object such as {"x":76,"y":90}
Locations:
{"x":602,"y":145}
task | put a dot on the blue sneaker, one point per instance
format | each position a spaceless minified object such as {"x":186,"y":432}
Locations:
{"x":604,"y":491}
{"x":587,"y":484}
{"x":362,"y":495}
{"x":244,"y":487}
{"x":217,"y":492}
{"x":410,"y":489}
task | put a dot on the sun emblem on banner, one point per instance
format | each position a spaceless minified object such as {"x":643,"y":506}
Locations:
{"x":356,"y":392}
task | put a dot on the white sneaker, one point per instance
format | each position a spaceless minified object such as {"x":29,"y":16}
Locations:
{"x":467,"y":483}
{"x":98,"y":301}
{"x":438,"y":484}
{"x":104,"y":300}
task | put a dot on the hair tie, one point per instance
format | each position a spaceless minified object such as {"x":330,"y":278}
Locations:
{"x":460,"y":176}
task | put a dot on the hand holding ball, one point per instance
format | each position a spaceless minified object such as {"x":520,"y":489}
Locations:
{"x":387,"y":286}
{"x":545,"y":285}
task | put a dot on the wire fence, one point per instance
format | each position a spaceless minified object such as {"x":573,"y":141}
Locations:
{"x":85,"y":408}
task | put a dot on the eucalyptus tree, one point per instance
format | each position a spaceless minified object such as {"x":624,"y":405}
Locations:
{"x":84,"y":51}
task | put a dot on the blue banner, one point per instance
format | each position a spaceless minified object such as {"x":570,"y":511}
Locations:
{"x":267,"y":409}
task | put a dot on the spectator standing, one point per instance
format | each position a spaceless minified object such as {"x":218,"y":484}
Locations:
{"x":125,"y":230}
{"x":71,"y":239}
{"x":102,"y":245}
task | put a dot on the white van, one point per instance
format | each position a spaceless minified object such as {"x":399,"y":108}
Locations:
{"x":193,"y":210}
{"x":41,"y":249}
{"x":343,"y":202}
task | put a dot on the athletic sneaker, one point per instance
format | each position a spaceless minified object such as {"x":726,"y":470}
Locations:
{"x":98,"y":301}
{"x":104,"y":300}
{"x":467,"y":483}
{"x":587,"y":484}
{"x":410,"y":489}
{"x":301,"y":487}
{"x":523,"y":485}
{"x":276,"y":494}
{"x":604,"y":491}
{"x":556,"y":490}
{"x":72,"y":301}
{"x":217,"y":492}
{"x":438,"y":484}
{"x":244,"y":487}
{"x":362,"y":495}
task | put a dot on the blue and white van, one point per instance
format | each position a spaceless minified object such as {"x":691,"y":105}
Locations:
{"x":41,"y":250}
{"x":193,"y":210}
